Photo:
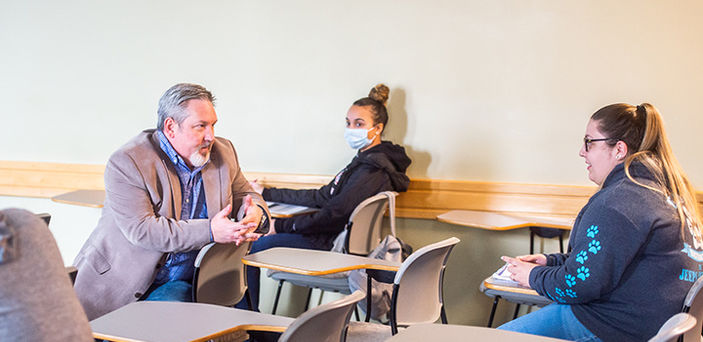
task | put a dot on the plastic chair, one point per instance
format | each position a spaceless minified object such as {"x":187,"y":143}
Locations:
{"x":547,"y":233}
{"x":46,"y":217}
{"x":417,"y":289}
{"x":517,"y":298}
{"x":219,"y":276}
{"x":325,"y":323}
{"x":520,"y":299}
{"x":421,"y":273}
{"x":693,"y":304}
{"x":675,"y":327}
{"x":361,"y":235}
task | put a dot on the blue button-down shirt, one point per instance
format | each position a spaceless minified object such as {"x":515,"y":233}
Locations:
{"x":179,"y":266}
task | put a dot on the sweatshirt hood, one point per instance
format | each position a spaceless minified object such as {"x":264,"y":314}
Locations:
{"x":392,"y":159}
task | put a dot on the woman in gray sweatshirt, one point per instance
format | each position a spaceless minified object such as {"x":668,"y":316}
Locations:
{"x":635,"y":248}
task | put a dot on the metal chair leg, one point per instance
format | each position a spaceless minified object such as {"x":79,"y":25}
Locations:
{"x":561,"y":243}
{"x":278,"y":295}
{"x":517,"y":311}
{"x":356,"y":313}
{"x":394,"y":310}
{"x":307,"y":302}
{"x":368,"y":298}
{"x":443,"y":315}
{"x":493,"y":311}
{"x":248,"y":297}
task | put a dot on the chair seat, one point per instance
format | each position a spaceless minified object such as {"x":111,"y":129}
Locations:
{"x":368,"y":332}
{"x":326,"y":283}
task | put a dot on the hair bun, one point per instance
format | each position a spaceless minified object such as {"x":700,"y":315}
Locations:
{"x":380,"y":93}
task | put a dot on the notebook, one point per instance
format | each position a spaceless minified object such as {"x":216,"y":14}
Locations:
{"x":502,"y":277}
{"x":285,"y":210}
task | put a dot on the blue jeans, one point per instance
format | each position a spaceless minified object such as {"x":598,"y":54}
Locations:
{"x":172,"y":291}
{"x":264,"y":243}
{"x":553,"y":320}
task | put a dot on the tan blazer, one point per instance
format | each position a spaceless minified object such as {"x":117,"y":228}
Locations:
{"x":140,"y":221}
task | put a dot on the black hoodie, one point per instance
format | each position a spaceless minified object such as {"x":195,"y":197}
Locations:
{"x":380,"y":168}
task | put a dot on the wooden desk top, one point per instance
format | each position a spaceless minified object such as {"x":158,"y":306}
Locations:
{"x":174,"y":321}
{"x":87,"y":198}
{"x":96,"y":199}
{"x":506,"y":288}
{"x":450,"y":332}
{"x":314,"y":262}
{"x":496,"y":221}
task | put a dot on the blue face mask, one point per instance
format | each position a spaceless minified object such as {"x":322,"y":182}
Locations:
{"x":357,"y":138}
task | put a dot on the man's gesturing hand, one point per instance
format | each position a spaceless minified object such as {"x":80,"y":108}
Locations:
{"x":226,"y":231}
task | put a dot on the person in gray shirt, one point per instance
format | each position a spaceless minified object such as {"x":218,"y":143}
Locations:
{"x":37,"y":301}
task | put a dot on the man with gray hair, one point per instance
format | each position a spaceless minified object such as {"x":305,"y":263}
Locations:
{"x":169,"y":192}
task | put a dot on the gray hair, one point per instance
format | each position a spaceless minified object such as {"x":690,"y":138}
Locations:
{"x":172,"y":102}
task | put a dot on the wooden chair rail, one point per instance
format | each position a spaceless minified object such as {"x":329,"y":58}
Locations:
{"x":425,"y":198}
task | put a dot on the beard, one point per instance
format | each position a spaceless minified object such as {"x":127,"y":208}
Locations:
{"x":198,"y":159}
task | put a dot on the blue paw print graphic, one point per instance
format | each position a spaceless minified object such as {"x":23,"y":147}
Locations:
{"x":571,"y":293}
{"x":570,"y":280}
{"x":582,"y":257}
{"x":559,"y":292}
{"x":592,"y":231}
{"x":583,"y":273}
{"x":594,"y":246}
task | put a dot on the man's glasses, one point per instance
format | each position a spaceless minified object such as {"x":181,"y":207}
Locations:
{"x":587,"y":141}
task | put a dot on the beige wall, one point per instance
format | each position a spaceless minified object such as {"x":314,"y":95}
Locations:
{"x":481,"y":90}
{"x":496,"y":91}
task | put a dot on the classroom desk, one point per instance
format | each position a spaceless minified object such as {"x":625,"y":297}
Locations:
{"x":285,"y":210}
{"x":496,"y":221}
{"x":512,"y":289}
{"x":449,"y":332}
{"x":86,"y":198}
{"x":174,"y":321}
{"x":96,"y":199}
{"x":515,"y":294}
{"x":315,"y":263}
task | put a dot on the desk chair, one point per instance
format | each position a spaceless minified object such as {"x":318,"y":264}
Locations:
{"x":180,"y":321}
{"x":46,"y":217}
{"x":515,"y":297}
{"x":361,"y":235}
{"x":548,"y":233}
{"x":542,"y":232}
{"x":693,"y":305}
{"x":219,"y":276}
{"x":325,"y":323}
{"x":417,"y":290}
{"x":674,"y":328}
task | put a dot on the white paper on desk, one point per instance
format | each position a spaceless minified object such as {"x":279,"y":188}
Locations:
{"x":287,"y":209}
{"x":502,"y":277}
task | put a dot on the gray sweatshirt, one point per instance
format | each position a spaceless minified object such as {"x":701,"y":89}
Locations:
{"x":628,"y":269}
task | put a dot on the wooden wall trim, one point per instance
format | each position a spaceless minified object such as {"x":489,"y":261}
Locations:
{"x":426,"y":198}
{"x":43,"y":179}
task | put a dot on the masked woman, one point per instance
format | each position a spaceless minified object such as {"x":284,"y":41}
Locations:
{"x":378,"y":166}
{"x":635,"y":248}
